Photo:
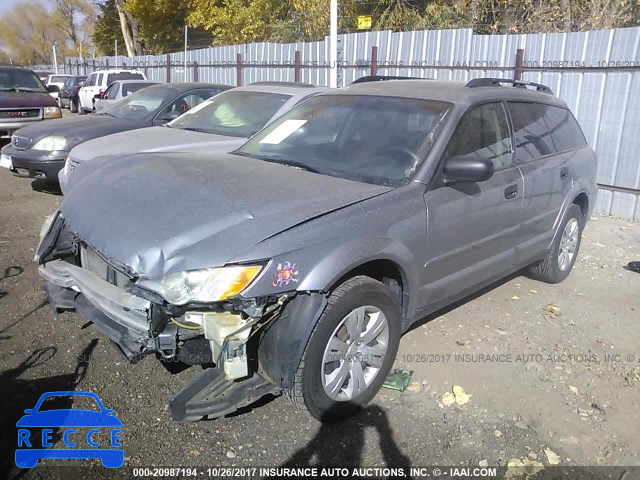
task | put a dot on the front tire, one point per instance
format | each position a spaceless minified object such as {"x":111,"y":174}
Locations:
{"x":73,"y":106}
{"x":350,"y":351}
{"x":564,"y":251}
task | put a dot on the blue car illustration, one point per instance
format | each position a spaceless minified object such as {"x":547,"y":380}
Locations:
{"x":105,"y":432}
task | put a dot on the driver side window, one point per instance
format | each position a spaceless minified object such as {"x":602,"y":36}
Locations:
{"x":483,"y":132}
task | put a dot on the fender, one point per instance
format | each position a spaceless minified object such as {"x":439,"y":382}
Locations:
{"x":283,"y":342}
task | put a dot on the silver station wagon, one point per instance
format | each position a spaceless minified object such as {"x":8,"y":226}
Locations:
{"x":295,"y":263}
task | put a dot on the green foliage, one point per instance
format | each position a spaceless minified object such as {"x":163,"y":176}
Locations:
{"x":107,"y":29}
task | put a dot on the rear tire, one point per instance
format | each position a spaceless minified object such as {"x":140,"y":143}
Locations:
{"x":350,"y":351}
{"x":73,"y":106}
{"x":564,"y":251}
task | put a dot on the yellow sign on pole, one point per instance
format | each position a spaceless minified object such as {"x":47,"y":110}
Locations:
{"x":364,"y":22}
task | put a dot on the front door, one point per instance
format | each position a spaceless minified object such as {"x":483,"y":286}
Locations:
{"x":473,"y":228}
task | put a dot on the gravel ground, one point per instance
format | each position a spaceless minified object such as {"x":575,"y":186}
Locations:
{"x":553,"y":372}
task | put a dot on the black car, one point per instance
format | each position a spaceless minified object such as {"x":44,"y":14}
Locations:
{"x":39,"y":151}
{"x":69,"y":93}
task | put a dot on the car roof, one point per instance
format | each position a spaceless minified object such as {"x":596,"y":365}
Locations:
{"x":117,"y":70}
{"x":447,"y":91}
{"x":296,"y":91}
{"x":151,"y":82}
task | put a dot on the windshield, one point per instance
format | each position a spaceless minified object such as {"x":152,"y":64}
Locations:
{"x":20,"y":80}
{"x":236,"y":113}
{"x":371,"y":139}
{"x":142,"y":103}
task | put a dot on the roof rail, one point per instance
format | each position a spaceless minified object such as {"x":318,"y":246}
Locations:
{"x":284,"y":84}
{"x":497,"y":82}
{"x":381,"y":78}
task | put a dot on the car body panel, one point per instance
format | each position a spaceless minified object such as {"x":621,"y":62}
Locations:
{"x":254,"y":200}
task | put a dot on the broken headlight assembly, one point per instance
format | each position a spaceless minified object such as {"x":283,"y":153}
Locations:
{"x":203,"y":285}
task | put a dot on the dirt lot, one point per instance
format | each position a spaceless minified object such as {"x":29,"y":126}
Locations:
{"x":563,"y":382}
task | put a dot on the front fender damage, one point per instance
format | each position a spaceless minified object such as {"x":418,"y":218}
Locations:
{"x":271,"y":350}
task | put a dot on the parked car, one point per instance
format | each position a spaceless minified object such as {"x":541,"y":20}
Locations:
{"x":98,"y":82}
{"x":69,"y":93}
{"x":117,"y":91}
{"x":220,"y":124}
{"x":39,"y":151}
{"x":59,"y":81}
{"x":23,"y":100}
{"x":295,"y":263}
{"x":43,"y":76}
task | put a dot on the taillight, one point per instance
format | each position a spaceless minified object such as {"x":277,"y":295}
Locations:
{"x":101,"y":93}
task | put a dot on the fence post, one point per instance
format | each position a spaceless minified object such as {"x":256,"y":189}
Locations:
{"x":517,"y":74}
{"x":168,"y":68}
{"x":239,"y":69}
{"x":195,"y":72}
{"x":106,"y":63}
{"x":297,"y":64}
{"x":374,"y":60}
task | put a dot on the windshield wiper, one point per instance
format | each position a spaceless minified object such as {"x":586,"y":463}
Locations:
{"x":19,"y":89}
{"x":193,"y":129}
{"x":288,"y":163}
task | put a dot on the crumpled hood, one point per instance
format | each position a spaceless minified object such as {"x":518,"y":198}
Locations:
{"x":154,"y":139}
{"x":79,"y":129}
{"x":164,"y":213}
{"x":26,"y":100}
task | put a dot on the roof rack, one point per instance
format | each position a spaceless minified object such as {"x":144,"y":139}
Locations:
{"x":497,"y":82}
{"x":381,"y":78}
{"x":284,"y":84}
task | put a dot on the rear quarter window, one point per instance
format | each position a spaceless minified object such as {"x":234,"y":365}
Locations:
{"x":565,"y":131}
{"x":531,"y":133}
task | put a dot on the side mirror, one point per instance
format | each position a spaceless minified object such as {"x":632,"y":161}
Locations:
{"x":97,"y":96}
{"x":467,"y":168}
{"x":52,"y":89}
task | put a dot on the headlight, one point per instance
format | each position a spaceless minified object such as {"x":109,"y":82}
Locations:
{"x":204,"y":285}
{"x":52,"y":112}
{"x":51,"y":143}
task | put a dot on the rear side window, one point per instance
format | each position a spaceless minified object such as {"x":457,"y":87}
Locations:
{"x":483,"y":132}
{"x":565,"y":131}
{"x":99,"y":81}
{"x":532,"y":136}
{"x":112,"y":77}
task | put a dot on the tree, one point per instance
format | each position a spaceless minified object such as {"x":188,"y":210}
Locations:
{"x":29,"y":32}
{"x":75,"y":18}
{"x":129,"y":25}
{"x":106,"y":30}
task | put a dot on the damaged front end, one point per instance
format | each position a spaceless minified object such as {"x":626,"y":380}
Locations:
{"x":239,"y":342}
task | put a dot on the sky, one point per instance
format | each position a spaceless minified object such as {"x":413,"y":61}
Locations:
{"x":6,"y":5}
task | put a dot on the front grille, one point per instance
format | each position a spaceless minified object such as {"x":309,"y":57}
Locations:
{"x":20,"y":143}
{"x":19,"y":113}
{"x":96,"y":264}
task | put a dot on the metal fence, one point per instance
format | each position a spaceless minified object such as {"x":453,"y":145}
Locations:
{"x":597,"y":73}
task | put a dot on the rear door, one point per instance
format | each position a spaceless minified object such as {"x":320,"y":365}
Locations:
{"x":546,"y":173}
{"x":472,"y":228}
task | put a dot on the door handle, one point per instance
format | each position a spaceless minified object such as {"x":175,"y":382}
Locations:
{"x":564,"y":173}
{"x":511,"y":192}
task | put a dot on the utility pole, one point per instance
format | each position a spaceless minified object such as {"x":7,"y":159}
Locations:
{"x":333,"y":48}
{"x":55,"y":58}
{"x":185,"y":53}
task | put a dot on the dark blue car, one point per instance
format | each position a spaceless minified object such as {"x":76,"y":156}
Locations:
{"x":29,"y":452}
